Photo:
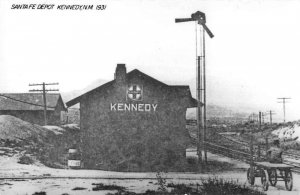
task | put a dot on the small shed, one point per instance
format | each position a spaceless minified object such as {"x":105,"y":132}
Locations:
{"x":30,"y":107}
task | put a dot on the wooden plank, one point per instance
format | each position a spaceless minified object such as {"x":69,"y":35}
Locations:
{"x":272,"y":165}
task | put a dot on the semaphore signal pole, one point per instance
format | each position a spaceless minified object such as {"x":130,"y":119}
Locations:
{"x":44,"y":91}
{"x":283,"y":103}
{"x":199,"y":18}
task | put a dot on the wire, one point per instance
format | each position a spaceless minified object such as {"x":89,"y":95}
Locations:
{"x":24,"y":101}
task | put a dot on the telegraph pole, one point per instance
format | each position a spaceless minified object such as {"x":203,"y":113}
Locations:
{"x":283,"y":103}
{"x":259,"y":119}
{"x":253,"y":118}
{"x":270,"y":112}
{"x":44,"y":91}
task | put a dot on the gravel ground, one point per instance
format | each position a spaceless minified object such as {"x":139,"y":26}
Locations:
{"x":28,"y":179}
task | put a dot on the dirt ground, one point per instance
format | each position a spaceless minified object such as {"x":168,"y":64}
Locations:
{"x":27,"y":179}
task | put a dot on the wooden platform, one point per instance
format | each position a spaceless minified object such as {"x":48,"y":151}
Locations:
{"x":272,"y":165}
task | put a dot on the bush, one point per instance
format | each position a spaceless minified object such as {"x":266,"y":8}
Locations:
{"x":27,"y":160}
{"x":79,"y":188}
{"x":101,"y":186}
{"x":39,"y":193}
{"x":192,"y":160}
{"x":181,"y":189}
{"x":161,"y":181}
{"x":294,"y":145}
{"x":191,"y":164}
{"x":220,"y":186}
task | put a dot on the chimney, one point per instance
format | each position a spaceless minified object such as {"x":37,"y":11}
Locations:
{"x":120,"y":74}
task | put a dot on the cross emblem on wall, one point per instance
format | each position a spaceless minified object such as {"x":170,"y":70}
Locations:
{"x":135,"y":92}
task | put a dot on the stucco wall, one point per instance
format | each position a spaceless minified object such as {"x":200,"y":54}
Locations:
{"x":133,"y":140}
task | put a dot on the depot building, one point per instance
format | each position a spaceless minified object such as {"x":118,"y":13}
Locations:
{"x":133,"y":123}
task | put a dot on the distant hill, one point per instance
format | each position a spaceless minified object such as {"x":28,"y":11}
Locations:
{"x":221,"y":102}
{"x":67,"y":96}
{"x":219,"y":112}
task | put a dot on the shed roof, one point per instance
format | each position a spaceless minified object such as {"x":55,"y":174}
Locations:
{"x":29,"y":101}
{"x":182,"y":89}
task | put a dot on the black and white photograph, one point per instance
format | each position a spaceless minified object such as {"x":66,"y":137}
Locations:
{"x":146,"y":97}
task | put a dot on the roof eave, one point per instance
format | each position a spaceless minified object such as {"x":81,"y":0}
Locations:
{"x":193,"y":102}
{"x":73,"y":101}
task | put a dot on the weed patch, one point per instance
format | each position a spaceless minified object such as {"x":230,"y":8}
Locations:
{"x":79,"y":188}
{"x":211,"y":186}
{"x":101,"y":186}
{"x":181,"y":188}
{"x":161,"y":181}
{"x":39,"y":193}
{"x":220,"y":186}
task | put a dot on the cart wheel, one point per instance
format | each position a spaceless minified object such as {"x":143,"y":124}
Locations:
{"x":250,"y":178}
{"x":273,"y":177}
{"x":264,"y":179}
{"x":288,"y":180}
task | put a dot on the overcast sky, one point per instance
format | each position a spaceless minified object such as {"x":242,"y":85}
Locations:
{"x":253,"y":58}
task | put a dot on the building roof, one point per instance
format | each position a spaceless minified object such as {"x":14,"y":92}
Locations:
{"x":29,"y":101}
{"x":182,"y":89}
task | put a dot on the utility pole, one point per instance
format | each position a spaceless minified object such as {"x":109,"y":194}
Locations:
{"x":253,"y":117}
{"x":259,"y":118}
{"x":270,"y":112}
{"x":283,"y":103}
{"x":44,"y":91}
{"x":199,"y":18}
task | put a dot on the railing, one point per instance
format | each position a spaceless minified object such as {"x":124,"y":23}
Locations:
{"x":232,"y":153}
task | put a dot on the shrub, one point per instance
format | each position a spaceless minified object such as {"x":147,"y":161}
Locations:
{"x":294,"y":145}
{"x":181,"y":188}
{"x":39,"y":193}
{"x":79,"y":188}
{"x":27,"y":160}
{"x":192,"y":160}
{"x":217,"y":186}
{"x":101,"y":186}
{"x":161,"y":181}
{"x":211,"y":186}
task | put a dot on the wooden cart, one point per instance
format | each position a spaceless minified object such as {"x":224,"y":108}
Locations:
{"x":270,"y":173}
